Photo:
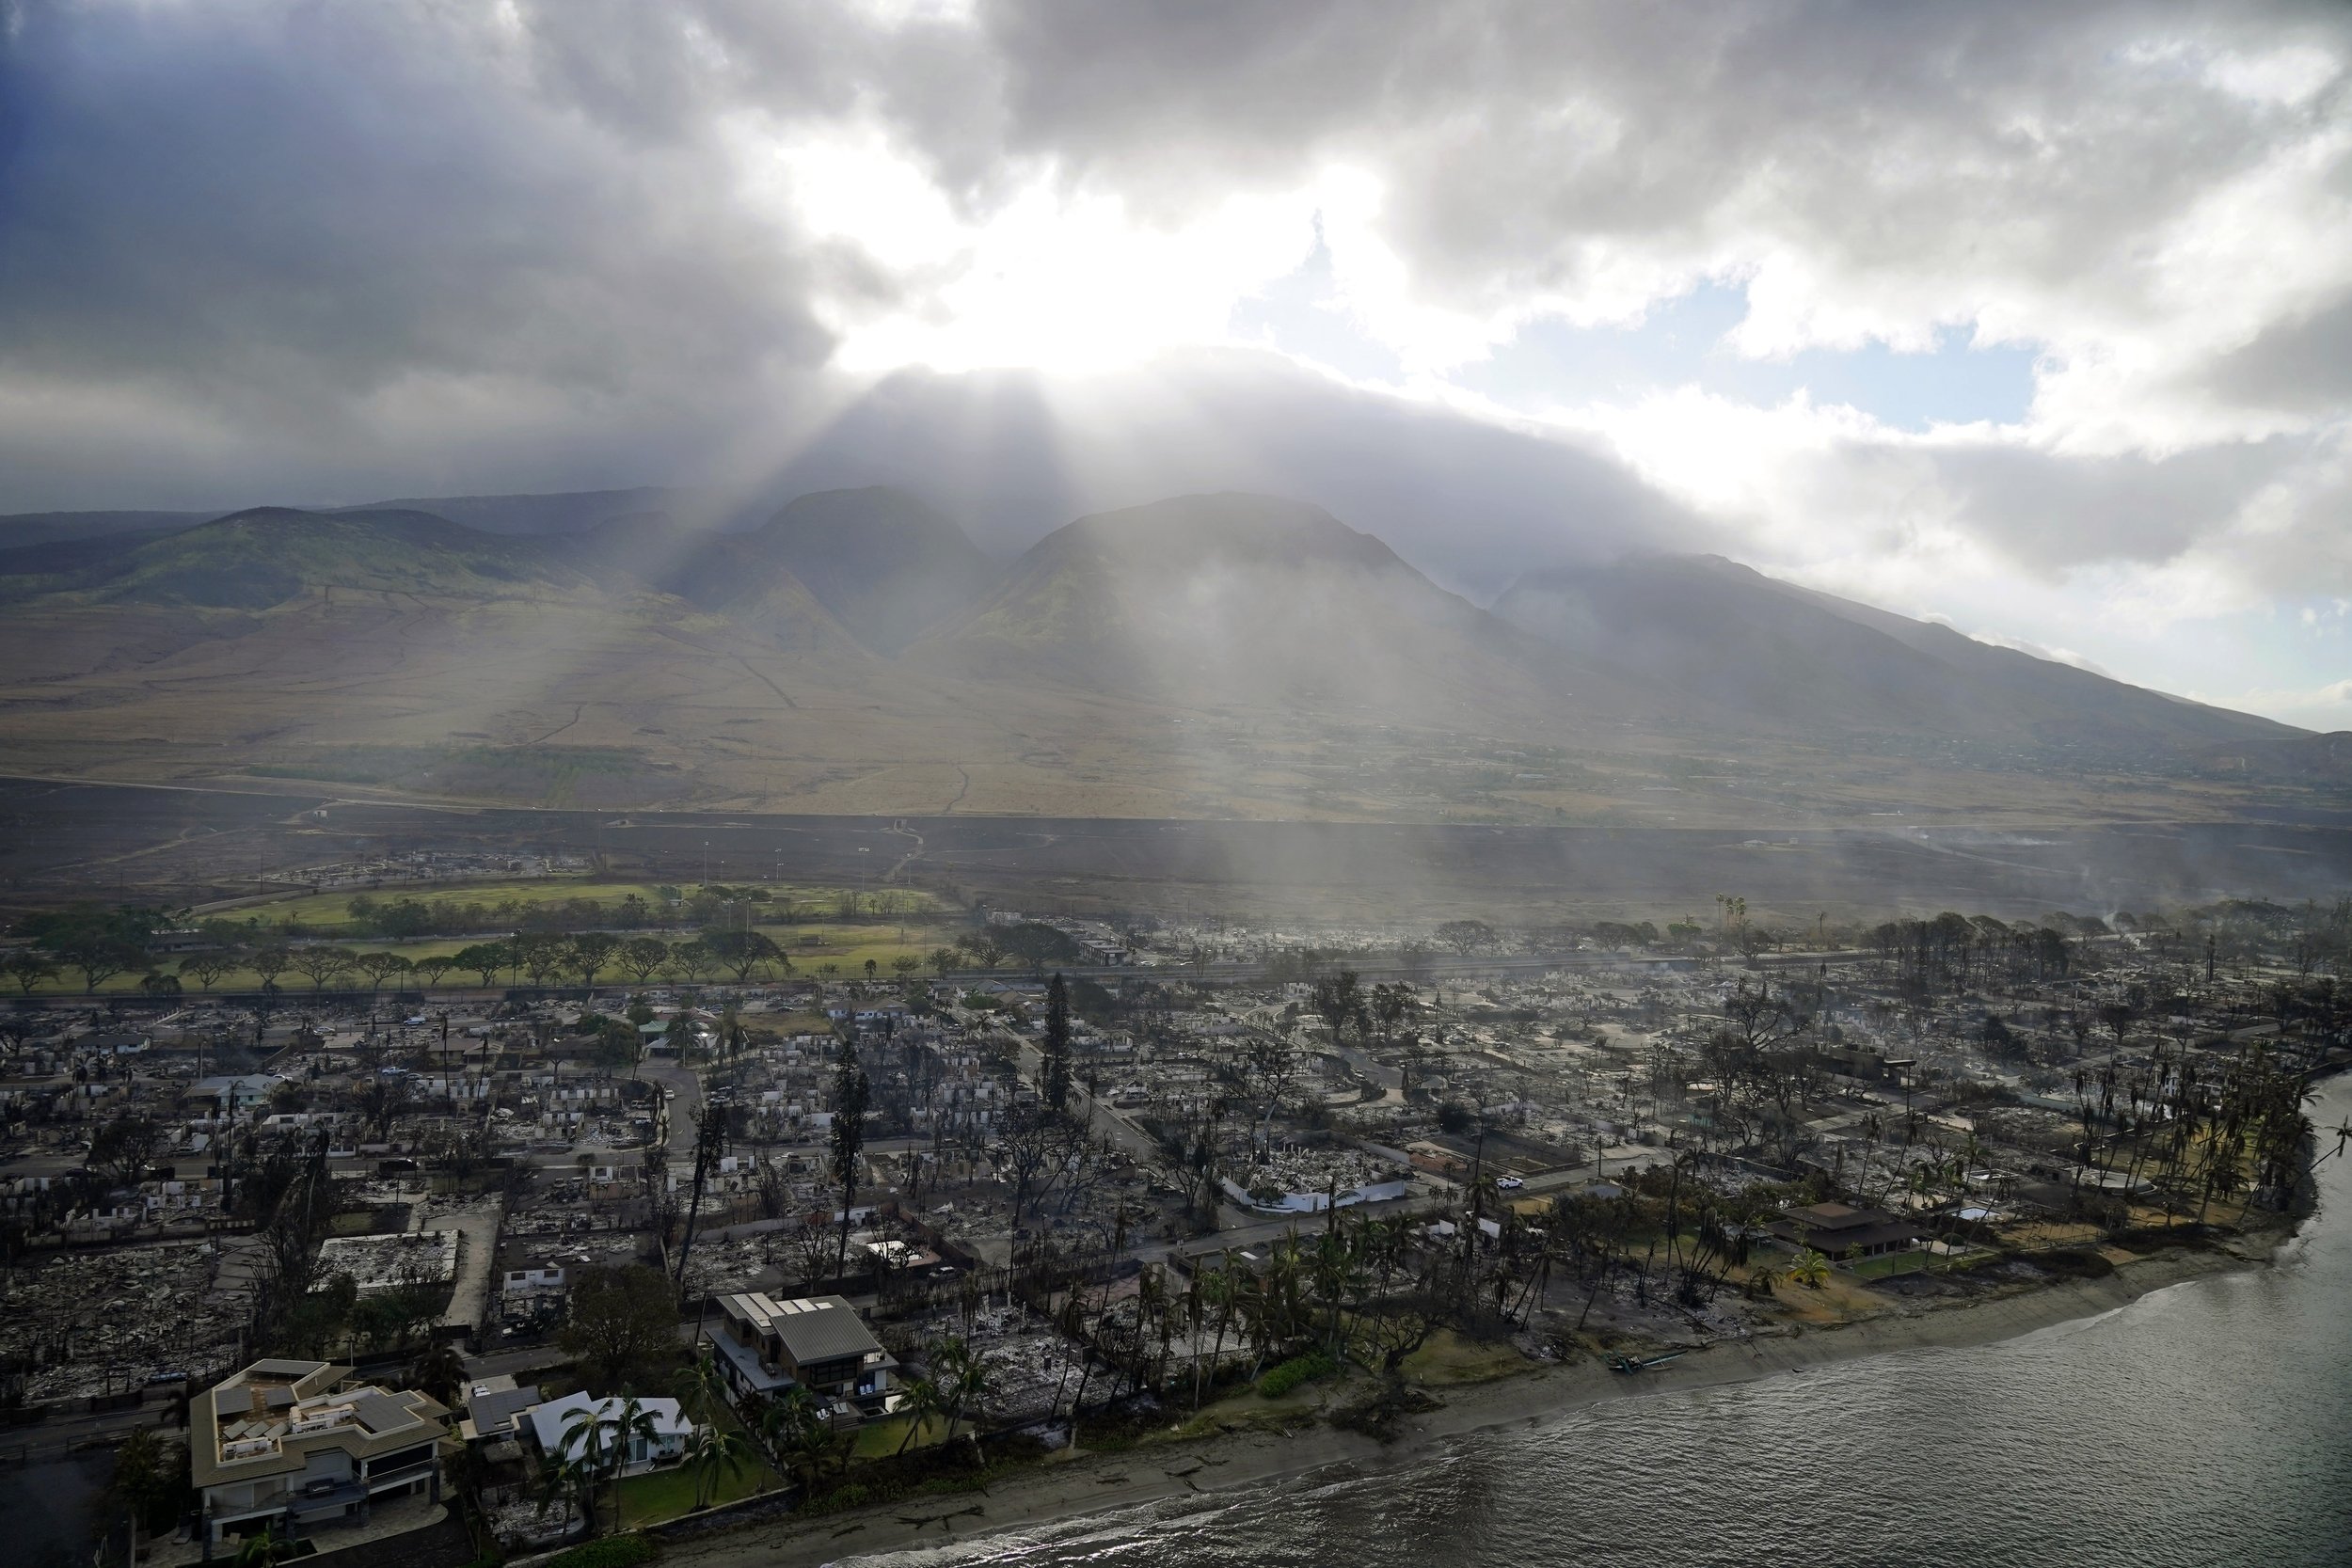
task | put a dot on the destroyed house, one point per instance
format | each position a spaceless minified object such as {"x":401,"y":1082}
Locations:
{"x":297,"y":1445}
{"x":817,"y":1342}
{"x":1838,"y":1232}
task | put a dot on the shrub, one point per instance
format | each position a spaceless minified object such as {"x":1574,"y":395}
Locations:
{"x":1298,"y":1370}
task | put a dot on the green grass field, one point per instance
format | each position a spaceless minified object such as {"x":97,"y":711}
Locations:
{"x":332,"y":909}
{"x":648,"y":1500}
{"x":818,"y":937}
{"x":846,"y":949}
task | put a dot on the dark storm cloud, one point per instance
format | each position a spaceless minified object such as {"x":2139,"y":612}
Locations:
{"x":301,"y":227}
{"x":2053,"y":512}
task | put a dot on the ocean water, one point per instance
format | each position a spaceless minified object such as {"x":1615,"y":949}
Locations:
{"x":2205,"y":1425}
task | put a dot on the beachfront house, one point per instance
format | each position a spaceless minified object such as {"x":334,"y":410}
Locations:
{"x":1841,"y":1232}
{"x":298,"y":1446}
{"x":553,"y":1429}
{"x":765,"y":1346}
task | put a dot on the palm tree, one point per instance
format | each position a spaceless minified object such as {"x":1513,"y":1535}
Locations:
{"x":1808,"y":1268}
{"x":962,"y":1378}
{"x":796,"y":1432}
{"x":265,"y":1550}
{"x":1219,"y":1292}
{"x":715,"y":1452}
{"x":440,"y":1373}
{"x":144,"y":1471}
{"x":632,"y":1424}
{"x":700,"y":1386}
{"x":922,"y":1403}
{"x":1331,"y":1271}
{"x":570,"y":1478}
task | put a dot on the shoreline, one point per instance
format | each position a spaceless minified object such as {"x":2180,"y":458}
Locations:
{"x":1195,"y":1472}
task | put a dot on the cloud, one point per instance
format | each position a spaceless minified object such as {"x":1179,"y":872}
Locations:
{"x":263,"y":248}
{"x":2324,"y":708}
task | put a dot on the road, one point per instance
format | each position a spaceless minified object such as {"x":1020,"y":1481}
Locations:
{"x":1102,"y":1116}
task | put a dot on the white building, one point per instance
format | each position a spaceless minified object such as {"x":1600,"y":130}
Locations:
{"x":549,"y":1424}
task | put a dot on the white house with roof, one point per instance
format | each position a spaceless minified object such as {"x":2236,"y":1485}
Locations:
{"x":553,"y":1426}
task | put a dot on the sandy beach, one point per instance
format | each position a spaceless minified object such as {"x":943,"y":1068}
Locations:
{"x":1183,"y":1475}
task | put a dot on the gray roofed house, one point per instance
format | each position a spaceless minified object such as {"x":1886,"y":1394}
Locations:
{"x":817,"y":1342}
{"x":494,"y":1408}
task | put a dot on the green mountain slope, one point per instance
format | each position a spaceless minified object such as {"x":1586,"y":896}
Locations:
{"x":254,"y":559}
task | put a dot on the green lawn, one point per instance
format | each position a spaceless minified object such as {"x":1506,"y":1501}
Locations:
{"x":1890,"y":1263}
{"x":660,"y":1494}
{"x":877,"y":1440}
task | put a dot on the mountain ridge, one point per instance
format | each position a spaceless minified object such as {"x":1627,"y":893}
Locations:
{"x":1205,"y":654}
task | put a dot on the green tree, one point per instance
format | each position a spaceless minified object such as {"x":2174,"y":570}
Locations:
{"x":591,"y":951}
{"x":701,"y":1387}
{"x":380,"y":966}
{"x":268,"y":963}
{"x":641,"y":958}
{"x":1339,"y":999}
{"x":741,"y":952}
{"x":146,"y":1475}
{"x":1056,"y":1052}
{"x":1809,"y":1269}
{"x":485,"y":958}
{"x":851,"y":1090}
{"x":319,"y":964}
{"x":207,"y":969}
{"x":963,"y":1380}
{"x":97,"y":941}
{"x":124,"y":1147}
{"x":621,"y":1319}
{"x":29,"y":969}
{"x":541,"y":955}
{"x":265,"y":1550}
{"x":439,"y":1374}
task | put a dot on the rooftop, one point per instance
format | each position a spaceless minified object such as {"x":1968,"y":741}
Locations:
{"x":266,"y":1419}
{"x":812,"y":1328}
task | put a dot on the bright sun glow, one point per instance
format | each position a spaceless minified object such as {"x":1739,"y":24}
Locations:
{"x":1045,"y":280}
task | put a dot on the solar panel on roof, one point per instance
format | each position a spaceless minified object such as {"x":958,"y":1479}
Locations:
{"x":381,"y":1412}
{"x":234,"y":1402}
{"x":278,"y":1398}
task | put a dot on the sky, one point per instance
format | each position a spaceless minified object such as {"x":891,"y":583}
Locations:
{"x":2033,"y":318}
